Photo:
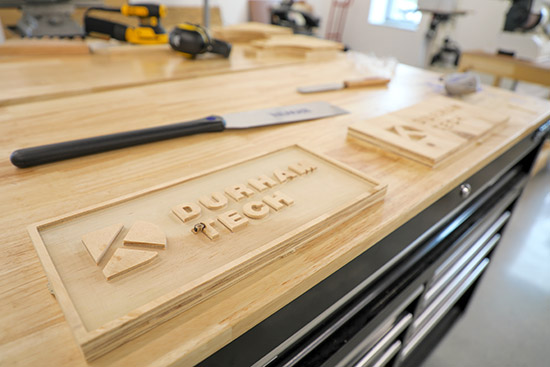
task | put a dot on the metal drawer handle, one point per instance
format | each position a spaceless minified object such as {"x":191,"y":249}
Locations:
{"x":459,"y":265}
{"x":488,"y":233}
{"x":442,"y":311}
{"x":465,"y":190}
{"x":388,"y":355}
{"x":368,"y":359}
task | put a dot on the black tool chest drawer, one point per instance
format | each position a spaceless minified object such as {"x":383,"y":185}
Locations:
{"x":383,"y":308}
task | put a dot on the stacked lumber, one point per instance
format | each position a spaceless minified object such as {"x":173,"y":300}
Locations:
{"x":295,"y":46}
{"x":248,"y":32}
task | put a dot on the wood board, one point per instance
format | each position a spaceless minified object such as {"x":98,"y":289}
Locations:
{"x":283,"y":202}
{"x":247,"y":32}
{"x":295,"y":46}
{"x":429,"y":132}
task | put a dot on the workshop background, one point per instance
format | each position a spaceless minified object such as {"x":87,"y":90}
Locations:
{"x":508,"y":320}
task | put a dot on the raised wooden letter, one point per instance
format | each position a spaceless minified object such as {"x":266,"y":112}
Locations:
{"x":284,"y":175}
{"x":232,"y":220}
{"x":262,"y":183}
{"x":215,"y":201}
{"x":278,"y":200}
{"x":302,"y":168}
{"x":255,"y":210}
{"x":209,"y":230}
{"x":187,"y":211}
{"x":238,"y":192}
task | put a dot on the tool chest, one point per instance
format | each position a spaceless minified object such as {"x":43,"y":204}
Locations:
{"x":390,"y":305}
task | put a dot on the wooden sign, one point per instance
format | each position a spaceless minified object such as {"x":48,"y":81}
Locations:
{"x":428,"y":132}
{"x":124,"y":266}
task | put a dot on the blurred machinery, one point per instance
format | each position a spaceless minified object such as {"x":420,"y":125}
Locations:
{"x":50,"y":18}
{"x":526,"y":30}
{"x":441,"y":49}
{"x":296,"y":15}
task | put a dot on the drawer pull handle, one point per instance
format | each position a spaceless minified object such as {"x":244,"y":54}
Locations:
{"x":368,"y":358}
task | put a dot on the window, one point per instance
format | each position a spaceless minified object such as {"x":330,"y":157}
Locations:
{"x":396,"y":13}
{"x":403,"y":11}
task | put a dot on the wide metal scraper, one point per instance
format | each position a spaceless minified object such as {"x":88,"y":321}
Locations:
{"x":34,"y":156}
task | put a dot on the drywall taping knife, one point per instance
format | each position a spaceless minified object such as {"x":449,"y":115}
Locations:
{"x":34,"y":156}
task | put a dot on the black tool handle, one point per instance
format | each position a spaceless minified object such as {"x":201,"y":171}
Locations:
{"x":112,"y":29}
{"x":220,"y":47}
{"x":34,"y":156}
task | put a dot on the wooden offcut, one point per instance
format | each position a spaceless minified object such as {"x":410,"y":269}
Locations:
{"x":247,"y":32}
{"x":144,"y":233}
{"x":98,"y":242}
{"x":299,"y":46}
{"x":125,"y":260}
{"x":43,"y":47}
{"x":429,"y":132}
{"x":258,"y":223}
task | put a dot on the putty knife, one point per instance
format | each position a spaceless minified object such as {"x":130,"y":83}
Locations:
{"x":34,"y":156}
{"x":356,"y":83}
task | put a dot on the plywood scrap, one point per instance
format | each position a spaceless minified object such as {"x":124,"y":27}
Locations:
{"x":246,"y":32}
{"x":297,"y":41}
{"x":145,"y":233}
{"x":98,"y":242}
{"x":125,"y":259}
{"x":43,"y":47}
{"x":294,"y":46}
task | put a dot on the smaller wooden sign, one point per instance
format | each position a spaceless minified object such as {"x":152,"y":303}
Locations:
{"x":122,"y":267}
{"x":428,"y":132}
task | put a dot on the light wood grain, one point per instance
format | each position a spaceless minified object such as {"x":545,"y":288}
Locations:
{"x":32,"y":47}
{"x":502,"y":66}
{"x":98,"y":242}
{"x":113,"y":67}
{"x":298,"y":46}
{"x":192,"y":268}
{"x":125,"y":259}
{"x":34,"y":329}
{"x":247,"y":32}
{"x":147,"y":234}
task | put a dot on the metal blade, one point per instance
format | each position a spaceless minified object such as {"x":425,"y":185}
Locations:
{"x":321,"y":87}
{"x":281,"y":115}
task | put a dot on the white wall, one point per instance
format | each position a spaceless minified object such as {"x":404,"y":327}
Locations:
{"x":477,"y":30}
{"x":480,"y":28}
{"x":232,"y":11}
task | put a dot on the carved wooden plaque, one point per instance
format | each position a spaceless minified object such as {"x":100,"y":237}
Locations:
{"x":428,"y":132}
{"x":124,"y":266}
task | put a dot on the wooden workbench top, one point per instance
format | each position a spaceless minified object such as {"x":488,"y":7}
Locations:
{"x":33,"y":329}
{"x":32,"y":78}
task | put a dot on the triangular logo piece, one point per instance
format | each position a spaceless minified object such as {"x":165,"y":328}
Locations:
{"x":98,"y":242}
{"x":125,"y":259}
{"x":145,"y":234}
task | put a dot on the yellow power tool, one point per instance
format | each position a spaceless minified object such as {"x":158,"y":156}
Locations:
{"x":149,"y":31}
